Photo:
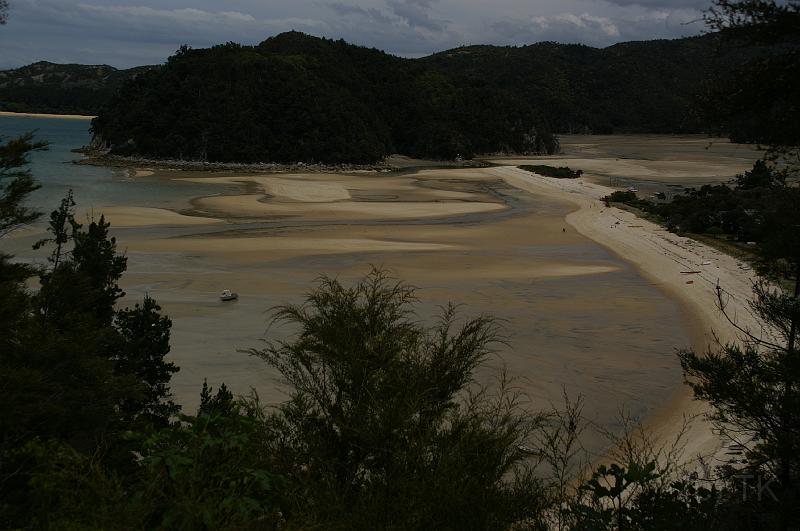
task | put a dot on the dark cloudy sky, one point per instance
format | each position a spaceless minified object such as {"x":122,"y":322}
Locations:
{"x":133,"y":32}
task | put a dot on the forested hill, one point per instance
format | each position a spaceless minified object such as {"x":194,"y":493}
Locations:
{"x":300,"y":98}
{"x":632,"y":87}
{"x":62,"y":89}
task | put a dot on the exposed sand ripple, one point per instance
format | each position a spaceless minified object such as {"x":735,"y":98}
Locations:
{"x":234,"y":245}
{"x":251,"y":206}
{"x":132,"y":216}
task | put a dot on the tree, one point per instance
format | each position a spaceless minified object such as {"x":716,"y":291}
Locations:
{"x":3,"y":11}
{"x":759,"y":100}
{"x":221,"y":403}
{"x":16,"y":181}
{"x":760,"y":176}
{"x":139,"y":359}
{"x":215,"y":471}
{"x":754,"y":390}
{"x":385,"y":426}
{"x":77,"y":371}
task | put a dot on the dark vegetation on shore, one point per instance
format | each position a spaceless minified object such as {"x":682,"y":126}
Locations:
{"x":561,"y":172}
{"x":296,"y":97}
{"x":300,"y":98}
{"x":757,"y":208}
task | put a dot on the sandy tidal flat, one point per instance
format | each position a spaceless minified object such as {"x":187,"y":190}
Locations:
{"x":622,"y":160}
{"x":574,"y":315}
{"x":663,"y":258}
{"x":541,"y":254}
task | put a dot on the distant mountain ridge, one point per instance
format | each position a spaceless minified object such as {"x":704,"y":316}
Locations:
{"x":61,"y":88}
{"x":295,"y":97}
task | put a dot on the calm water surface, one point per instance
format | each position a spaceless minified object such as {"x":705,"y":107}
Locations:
{"x":92,"y":186}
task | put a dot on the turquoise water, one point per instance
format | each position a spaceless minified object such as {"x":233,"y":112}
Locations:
{"x":92,"y":186}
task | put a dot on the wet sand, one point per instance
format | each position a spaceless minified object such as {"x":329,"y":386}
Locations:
{"x":575,"y":315}
{"x":663,"y":258}
{"x":649,"y":161}
{"x":589,"y":303}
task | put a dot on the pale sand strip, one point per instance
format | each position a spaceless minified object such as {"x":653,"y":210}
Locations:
{"x":44,"y":115}
{"x":294,"y":189}
{"x":325,"y":188}
{"x":284,"y":243}
{"x":250,"y":206}
{"x":133,"y":216}
{"x":660,"y":257}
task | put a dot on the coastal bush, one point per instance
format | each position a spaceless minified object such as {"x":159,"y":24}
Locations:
{"x":385,"y":427}
{"x":761,"y":206}
{"x":562,"y":172}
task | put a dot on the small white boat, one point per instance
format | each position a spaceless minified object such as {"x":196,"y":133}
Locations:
{"x":228,"y":295}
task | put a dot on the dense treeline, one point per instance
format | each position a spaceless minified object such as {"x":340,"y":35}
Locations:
{"x":299,"y":98}
{"x":632,"y":87}
{"x":649,"y":86}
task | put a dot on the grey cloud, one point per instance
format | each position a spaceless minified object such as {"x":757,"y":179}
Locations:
{"x":130,"y":32}
{"x":371,"y":14}
{"x":417,"y":14}
{"x":596,"y":30}
{"x":664,"y":4}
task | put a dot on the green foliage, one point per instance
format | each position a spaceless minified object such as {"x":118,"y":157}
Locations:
{"x":606,"y":489}
{"x":761,"y":176}
{"x":221,"y":403}
{"x":16,"y":182}
{"x":626,"y":197}
{"x":561,"y":172}
{"x":298,"y":98}
{"x":213,"y":472}
{"x":779,"y":249}
{"x":759,"y":99}
{"x":760,"y":208}
{"x":62,"y":489}
{"x":633,"y":87}
{"x":382,"y":430}
{"x":144,"y":342}
{"x":752,"y":387}
{"x":77,"y":372}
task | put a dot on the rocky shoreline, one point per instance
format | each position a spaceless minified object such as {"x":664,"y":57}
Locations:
{"x":93,"y":158}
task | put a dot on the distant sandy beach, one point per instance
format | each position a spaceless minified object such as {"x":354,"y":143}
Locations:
{"x":44,"y":115}
{"x":662,"y":257}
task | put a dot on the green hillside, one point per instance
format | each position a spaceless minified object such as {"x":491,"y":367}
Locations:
{"x":63,"y":89}
{"x":300,"y":98}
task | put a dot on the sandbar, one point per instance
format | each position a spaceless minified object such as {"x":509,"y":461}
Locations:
{"x":45,"y":115}
{"x":133,"y":216}
{"x":659,"y":256}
